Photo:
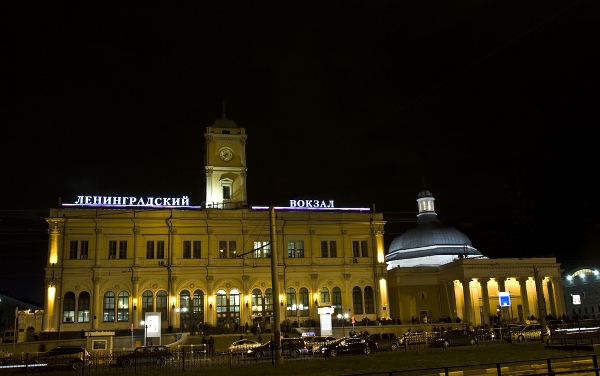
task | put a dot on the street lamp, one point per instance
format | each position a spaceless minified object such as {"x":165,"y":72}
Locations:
{"x":343,"y":323}
{"x":143,"y":323}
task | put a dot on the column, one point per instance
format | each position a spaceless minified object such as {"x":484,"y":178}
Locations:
{"x":468,"y":308}
{"x":559,"y":296}
{"x":524,"y":298}
{"x":96,"y":303}
{"x":210,"y":297}
{"x":172,"y":297}
{"x":49,"y":304}
{"x":380,"y":250}
{"x":173,"y":246}
{"x":347,"y":303}
{"x":57,"y":305}
{"x":346,"y":254}
{"x":248,"y":247}
{"x":136,"y":245}
{"x":246,"y":301}
{"x":98,"y":232}
{"x":485,"y":299}
{"x":136,"y":300}
{"x":314,"y":247}
{"x":314,"y":279}
{"x":209,"y":253}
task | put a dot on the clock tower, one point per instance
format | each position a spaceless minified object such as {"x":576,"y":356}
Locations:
{"x":225,"y":165}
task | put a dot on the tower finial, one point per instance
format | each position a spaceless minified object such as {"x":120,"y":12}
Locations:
{"x":424,"y":186}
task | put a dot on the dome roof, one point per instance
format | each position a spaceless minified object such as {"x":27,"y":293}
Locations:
{"x":431,"y":238}
{"x":430,"y":242}
{"x":225,"y":123}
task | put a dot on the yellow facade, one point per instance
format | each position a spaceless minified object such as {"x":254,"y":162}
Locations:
{"x":441,"y":293}
{"x":108,"y":264}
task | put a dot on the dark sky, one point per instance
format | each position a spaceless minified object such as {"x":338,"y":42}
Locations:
{"x":492,"y":102}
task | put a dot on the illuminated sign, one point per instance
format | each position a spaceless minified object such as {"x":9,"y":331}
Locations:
{"x":504,"y":299}
{"x":153,"y":324}
{"x":576,"y":299}
{"x":311,"y":205}
{"x":121,"y":201}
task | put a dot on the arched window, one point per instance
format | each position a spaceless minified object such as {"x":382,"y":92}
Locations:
{"x":324,"y":295}
{"x":257,"y":302}
{"x":198,"y":304}
{"x":69,"y":307}
{"x":108,"y":311}
{"x":161,"y":304}
{"x":198,"y":307}
{"x":221,"y":307}
{"x":234,"y":308}
{"x":369,"y":300}
{"x":147,"y":303}
{"x":303,"y":302}
{"x":357,"y":300}
{"x":184,"y":310}
{"x":184,"y":301}
{"x":123,"y":307}
{"x":292,"y":307}
{"x":336,"y":301}
{"x":269,"y":301}
{"x":83,"y":307}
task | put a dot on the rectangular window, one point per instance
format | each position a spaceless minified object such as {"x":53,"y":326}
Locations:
{"x":324,"y":249}
{"x":196,"y":249}
{"x":149,"y":249}
{"x":112,"y":249}
{"x":262,"y":249}
{"x":295,"y":248}
{"x":227,"y":249}
{"x":191,"y":249}
{"x":360,"y":249}
{"x":332,"y":249}
{"x":83,"y":251}
{"x":160,"y":249}
{"x":328,"y":248}
{"x":73,"y":250}
{"x":187,"y":249}
{"x":226,"y":192}
{"x":123,"y":249}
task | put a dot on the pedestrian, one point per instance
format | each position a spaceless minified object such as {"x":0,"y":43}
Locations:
{"x":246,"y":327}
{"x":211,"y":345}
{"x":258,"y":329}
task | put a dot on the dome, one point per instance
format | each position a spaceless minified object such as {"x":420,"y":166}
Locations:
{"x":224,"y":123}
{"x":430,"y":243}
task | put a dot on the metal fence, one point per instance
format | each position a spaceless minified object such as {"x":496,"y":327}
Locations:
{"x":191,"y":358}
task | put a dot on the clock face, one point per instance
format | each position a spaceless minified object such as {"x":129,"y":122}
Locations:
{"x":226,"y":154}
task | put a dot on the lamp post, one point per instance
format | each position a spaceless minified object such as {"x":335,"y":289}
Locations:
{"x":145,"y":332}
{"x":343,"y":323}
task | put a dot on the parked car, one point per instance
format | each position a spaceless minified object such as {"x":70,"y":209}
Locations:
{"x":146,"y":354}
{"x":526,"y":333}
{"x":456,"y":337}
{"x":385,"y":341}
{"x":4,"y":357}
{"x":74,"y":357}
{"x":313,"y":344}
{"x":347,"y":345}
{"x":242,"y":346}
{"x":292,"y":347}
{"x":8,"y":336}
{"x":413,"y":338}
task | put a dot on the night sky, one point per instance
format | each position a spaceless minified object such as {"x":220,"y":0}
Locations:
{"x":492,"y":103}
